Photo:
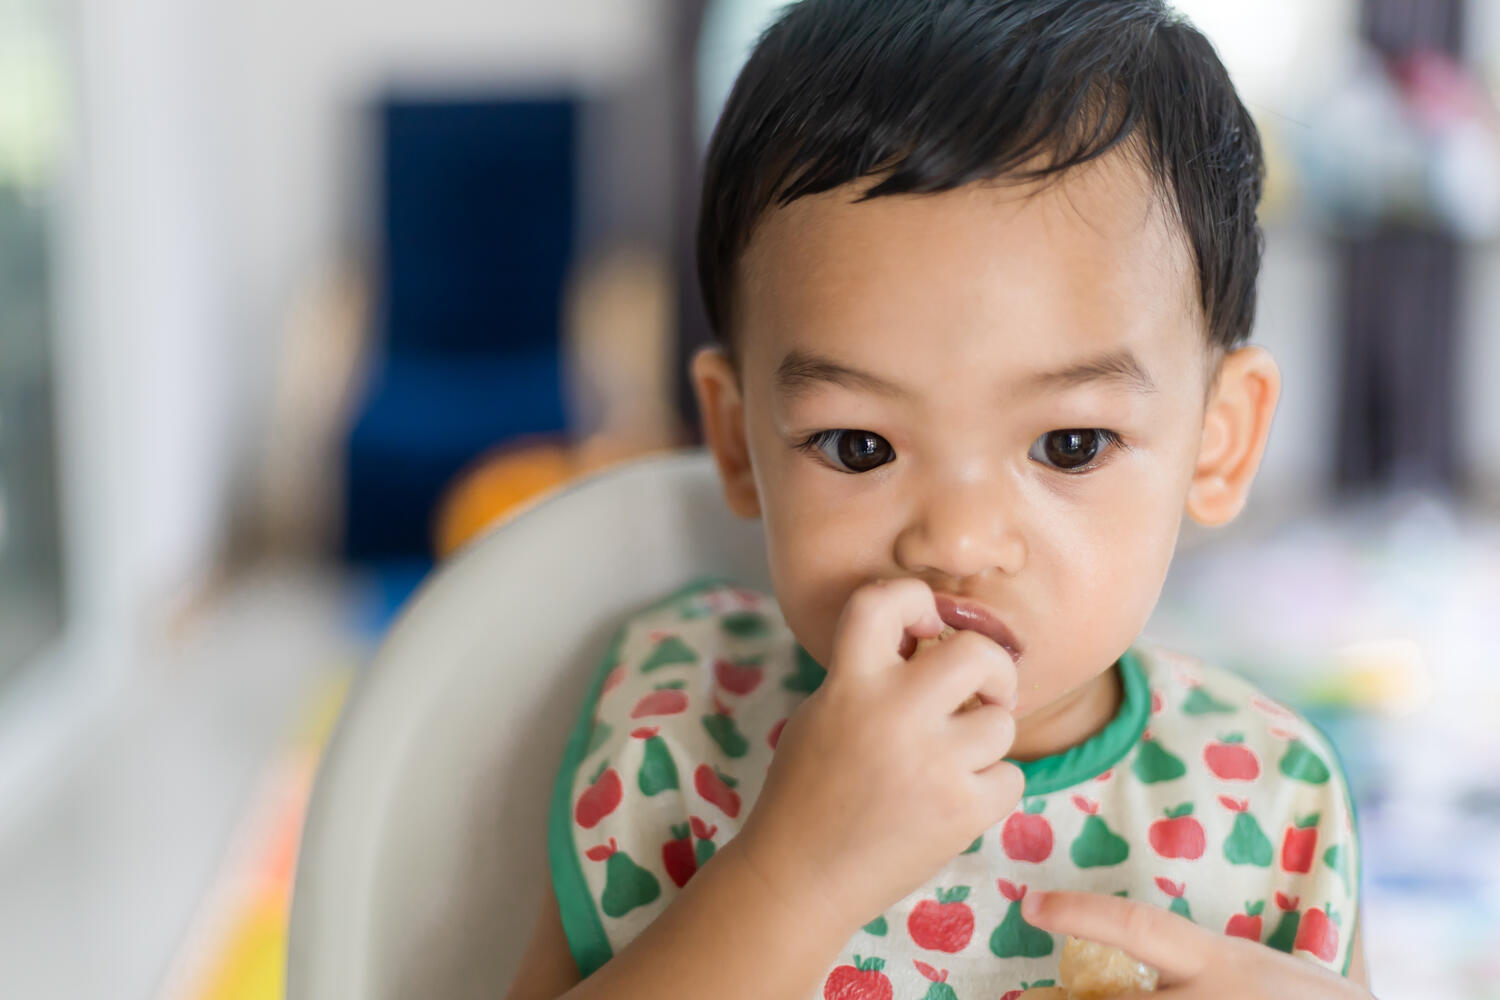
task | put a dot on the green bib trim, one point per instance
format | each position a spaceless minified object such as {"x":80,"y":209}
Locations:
{"x":1078,"y":764}
{"x":580,"y":916}
{"x":1356,"y":894}
{"x":1106,"y":748}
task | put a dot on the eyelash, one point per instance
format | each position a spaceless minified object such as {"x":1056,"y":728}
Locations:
{"x":1110,"y":441}
{"x":816,"y":441}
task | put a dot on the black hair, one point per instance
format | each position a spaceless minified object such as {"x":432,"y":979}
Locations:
{"x":929,"y":95}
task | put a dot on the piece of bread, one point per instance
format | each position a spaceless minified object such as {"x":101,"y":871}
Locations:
{"x":1092,"y":971}
{"x":1045,"y":993}
{"x":931,"y":641}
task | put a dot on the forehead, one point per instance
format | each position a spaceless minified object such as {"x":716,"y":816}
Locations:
{"x":1033,"y":274}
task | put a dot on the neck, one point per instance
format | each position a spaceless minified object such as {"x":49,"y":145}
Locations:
{"x":1069,"y":720}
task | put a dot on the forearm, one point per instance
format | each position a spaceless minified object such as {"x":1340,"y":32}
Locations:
{"x":727,"y":935}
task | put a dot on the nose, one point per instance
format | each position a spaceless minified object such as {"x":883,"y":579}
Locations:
{"x":962,"y":529}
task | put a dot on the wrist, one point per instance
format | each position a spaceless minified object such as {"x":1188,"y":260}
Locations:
{"x":800,"y":904}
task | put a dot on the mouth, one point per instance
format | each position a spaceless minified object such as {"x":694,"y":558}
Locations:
{"x":977,"y":618}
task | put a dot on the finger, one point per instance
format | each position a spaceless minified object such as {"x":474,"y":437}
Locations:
{"x":1173,"y":945}
{"x":877,"y":617}
{"x":998,"y":685}
{"x":1001,"y":785}
{"x":984,"y":735}
{"x":964,"y":664}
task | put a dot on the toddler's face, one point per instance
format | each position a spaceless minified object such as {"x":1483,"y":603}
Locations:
{"x":1003,"y":396}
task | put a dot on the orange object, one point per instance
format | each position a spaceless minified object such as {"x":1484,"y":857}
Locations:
{"x":497,"y":485}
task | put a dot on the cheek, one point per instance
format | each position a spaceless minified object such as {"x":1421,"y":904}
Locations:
{"x":807,"y":549}
{"x":1114,"y":560}
{"x":815,"y":566}
{"x":819,"y":554}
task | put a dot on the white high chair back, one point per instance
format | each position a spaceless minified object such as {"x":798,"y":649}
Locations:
{"x":424,"y":854}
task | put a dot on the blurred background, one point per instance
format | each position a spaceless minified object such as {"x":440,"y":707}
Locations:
{"x":296,"y":298}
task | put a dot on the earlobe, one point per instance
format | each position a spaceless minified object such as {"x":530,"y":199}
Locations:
{"x":1236,"y":425}
{"x":722,"y":410}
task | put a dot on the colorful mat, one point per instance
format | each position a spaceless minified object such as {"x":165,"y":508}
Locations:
{"x":236,"y":948}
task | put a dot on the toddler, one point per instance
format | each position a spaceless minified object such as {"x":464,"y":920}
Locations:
{"x":982,"y":274}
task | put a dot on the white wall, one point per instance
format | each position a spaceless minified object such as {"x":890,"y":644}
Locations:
{"x":142,"y":307}
{"x":1296,"y":313}
{"x":1479,"y":371}
{"x":1479,"y":318}
{"x":215,"y":177}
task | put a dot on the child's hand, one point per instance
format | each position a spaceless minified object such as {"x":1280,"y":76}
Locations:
{"x":1195,"y":963}
{"x":877,"y":781}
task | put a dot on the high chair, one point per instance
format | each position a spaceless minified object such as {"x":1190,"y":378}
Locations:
{"x":424,"y":853}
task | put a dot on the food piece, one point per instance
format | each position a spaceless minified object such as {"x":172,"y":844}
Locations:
{"x":934,"y":640}
{"x":1092,"y":971}
{"x":973,"y":701}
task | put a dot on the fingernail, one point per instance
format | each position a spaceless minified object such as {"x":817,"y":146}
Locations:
{"x":1031,"y":905}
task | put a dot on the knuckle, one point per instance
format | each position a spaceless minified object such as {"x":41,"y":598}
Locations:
{"x":983,"y":653}
{"x":983,"y":809}
{"x":1012,"y":786}
{"x":906,"y":586}
{"x":964,"y":658}
{"x":1002,"y":726}
{"x":970,"y":643}
{"x":851,"y":697}
{"x":1005,"y":678}
{"x":957,"y":803}
{"x":998,"y":660}
{"x":941,"y":666}
{"x":865,"y":599}
{"x":862,"y":608}
{"x":1139,"y":925}
{"x":907,"y":590}
{"x":926,"y":783}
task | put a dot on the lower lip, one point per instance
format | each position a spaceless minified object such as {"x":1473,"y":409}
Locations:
{"x":956,"y":617}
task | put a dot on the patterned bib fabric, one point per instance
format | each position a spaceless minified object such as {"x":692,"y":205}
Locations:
{"x":1202,"y":796}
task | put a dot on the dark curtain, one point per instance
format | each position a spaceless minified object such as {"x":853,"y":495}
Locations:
{"x":1400,"y":288}
{"x":1396,"y":377}
{"x":692,"y":320}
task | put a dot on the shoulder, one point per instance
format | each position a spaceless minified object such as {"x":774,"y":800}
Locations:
{"x":1240,"y":728}
{"x":668,"y":753}
{"x":717,"y":615}
{"x":1273,"y":790}
{"x":697,"y":683}
{"x":714,"y":641}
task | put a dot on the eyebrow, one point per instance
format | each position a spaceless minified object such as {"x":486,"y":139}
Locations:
{"x":1112,"y":366}
{"x":801,"y":372}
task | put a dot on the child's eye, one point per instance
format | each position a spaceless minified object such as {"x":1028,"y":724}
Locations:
{"x":1072,"y":451}
{"x":851,"y":451}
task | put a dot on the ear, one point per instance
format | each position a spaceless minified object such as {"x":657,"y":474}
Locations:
{"x":1236,"y":424}
{"x":722,"y":410}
